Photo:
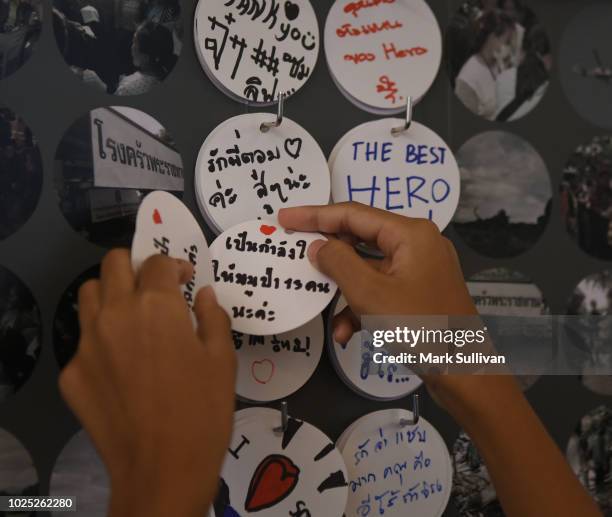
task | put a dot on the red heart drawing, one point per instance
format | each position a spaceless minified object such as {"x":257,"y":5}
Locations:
{"x":262,"y":371}
{"x":267,"y":230}
{"x":274,"y":479}
{"x":157,"y":218}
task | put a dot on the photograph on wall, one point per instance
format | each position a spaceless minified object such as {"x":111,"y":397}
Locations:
{"x":66,"y":327}
{"x":589,"y":453}
{"x":586,"y":63}
{"x":473,"y":492}
{"x":20,"y":334}
{"x":506,"y":195}
{"x":106,"y":163}
{"x":499,"y":58}
{"x":21,"y":173}
{"x":586,"y":197}
{"x":587,"y":339}
{"x":18,"y":476}
{"x":79,"y":472}
{"x":120,"y":47}
{"x":20,"y":28}
{"x":515,"y":303}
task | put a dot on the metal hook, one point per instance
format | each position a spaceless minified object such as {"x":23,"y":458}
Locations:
{"x":396,"y":131}
{"x":416,"y":416}
{"x":284,"y":418}
{"x":266,"y":126}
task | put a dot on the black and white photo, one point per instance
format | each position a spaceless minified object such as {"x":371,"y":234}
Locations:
{"x":20,"y":28}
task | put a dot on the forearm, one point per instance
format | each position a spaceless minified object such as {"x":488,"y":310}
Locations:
{"x":530,"y":475}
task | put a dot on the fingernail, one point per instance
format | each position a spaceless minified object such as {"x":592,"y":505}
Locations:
{"x":209,"y":293}
{"x":314,"y":248}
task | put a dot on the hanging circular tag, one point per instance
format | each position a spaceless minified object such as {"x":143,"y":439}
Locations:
{"x":295,"y":472}
{"x":355,"y":365}
{"x":413,"y":174}
{"x":253,"y":51}
{"x":264,"y":279}
{"x":396,"y":470}
{"x":380,"y":52}
{"x":243,"y":173}
{"x":274,"y":367}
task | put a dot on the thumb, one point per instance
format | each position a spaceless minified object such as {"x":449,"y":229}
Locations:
{"x":214,"y":328}
{"x":354,"y":276}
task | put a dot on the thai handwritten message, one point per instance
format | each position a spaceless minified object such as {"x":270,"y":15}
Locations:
{"x":395,"y":470}
{"x":243,"y":173}
{"x":264,"y":279}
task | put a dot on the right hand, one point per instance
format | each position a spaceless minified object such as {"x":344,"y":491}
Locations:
{"x":419,"y":275}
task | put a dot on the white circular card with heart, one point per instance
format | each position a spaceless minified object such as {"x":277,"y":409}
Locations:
{"x":274,"y":367}
{"x":243,"y":173}
{"x":253,"y":50}
{"x":264,"y":279}
{"x":296,"y":472}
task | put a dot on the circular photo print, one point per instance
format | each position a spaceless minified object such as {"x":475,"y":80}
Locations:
{"x":499,"y":58}
{"x":20,"y":334}
{"x":587,"y":339}
{"x":513,"y":302}
{"x":79,"y":472}
{"x":107,"y":162}
{"x":20,"y":173}
{"x":473,"y":491}
{"x":122,"y":47}
{"x":505,"y":195}
{"x":66,"y":328}
{"x":589,"y":451}
{"x":586,"y":197}
{"x":20,"y":28}
{"x":586,"y":63}
{"x":18,"y":476}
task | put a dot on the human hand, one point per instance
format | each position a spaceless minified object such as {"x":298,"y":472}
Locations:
{"x":156,"y":396}
{"x":419,"y":275}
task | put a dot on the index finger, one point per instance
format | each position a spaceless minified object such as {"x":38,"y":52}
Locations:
{"x":369,"y":224}
{"x":161,"y":273}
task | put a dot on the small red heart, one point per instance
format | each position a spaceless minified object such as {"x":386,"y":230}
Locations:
{"x":267,"y":230}
{"x":157,"y":219}
{"x":262,"y":371}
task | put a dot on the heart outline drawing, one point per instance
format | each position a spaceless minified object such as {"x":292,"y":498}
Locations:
{"x":273,"y":481}
{"x":293,"y":147}
{"x":258,"y":365}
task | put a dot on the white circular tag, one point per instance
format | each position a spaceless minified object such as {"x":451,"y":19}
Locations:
{"x":381,"y":52}
{"x":264,"y":279}
{"x":413,"y":174}
{"x":355,"y":365}
{"x":255,"y":50}
{"x":299,"y":472}
{"x":395,"y":470}
{"x":243,"y":173}
{"x":274,"y":367}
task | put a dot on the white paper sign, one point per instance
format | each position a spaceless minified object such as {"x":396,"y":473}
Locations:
{"x":356,"y":367}
{"x":264,"y":279}
{"x":414,"y":174}
{"x":395,"y":470}
{"x":256,"y":49}
{"x":243,"y":173}
{"x":274,"y":367}
{"x":299,"y":472}
{"x":381,"y":51}
{"x":165,"y":226}
{"x":127,"y":156}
